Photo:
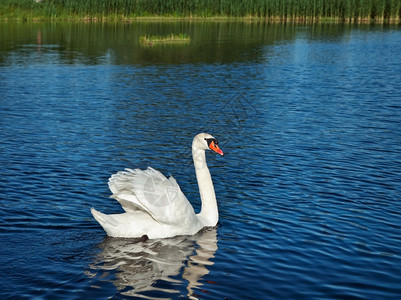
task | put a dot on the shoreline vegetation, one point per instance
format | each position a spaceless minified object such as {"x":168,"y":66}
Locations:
{"x":278,"y":11}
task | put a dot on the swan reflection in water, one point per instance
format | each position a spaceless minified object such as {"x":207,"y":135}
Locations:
{"x":157,"y":267}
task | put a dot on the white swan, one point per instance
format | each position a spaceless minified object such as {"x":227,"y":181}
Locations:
{"x":155,"y":206}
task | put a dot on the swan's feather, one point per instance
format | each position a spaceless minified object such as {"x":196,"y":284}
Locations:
{"x":128,"y":201}
{"x":104,"y":220}
{"x":150,"y":191}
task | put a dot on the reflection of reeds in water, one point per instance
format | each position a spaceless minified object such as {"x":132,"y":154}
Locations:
{"x":271,"y":10}
{"x":139,"y":267}
{"x":152,"y":40}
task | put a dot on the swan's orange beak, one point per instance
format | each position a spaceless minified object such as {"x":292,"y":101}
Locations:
{"x":215,"y":148}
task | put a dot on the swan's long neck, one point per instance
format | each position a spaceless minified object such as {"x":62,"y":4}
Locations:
{"x":209,"y":214}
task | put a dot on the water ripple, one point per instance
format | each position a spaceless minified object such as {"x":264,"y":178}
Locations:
{"x":308,"y":192}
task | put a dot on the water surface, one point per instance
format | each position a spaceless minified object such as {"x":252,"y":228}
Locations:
{"x":309,"y":191}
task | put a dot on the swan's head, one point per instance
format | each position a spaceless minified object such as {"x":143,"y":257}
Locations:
{"x":205,"y":141}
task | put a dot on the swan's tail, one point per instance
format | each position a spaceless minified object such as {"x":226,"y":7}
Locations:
{"x":104,"y":220}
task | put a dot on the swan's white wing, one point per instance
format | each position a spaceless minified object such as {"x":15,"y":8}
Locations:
{"x":150,"y":191}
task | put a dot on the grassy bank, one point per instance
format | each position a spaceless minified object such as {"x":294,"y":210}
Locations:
{"x":269,"y":10}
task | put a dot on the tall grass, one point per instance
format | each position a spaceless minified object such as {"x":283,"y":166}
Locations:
{"x":272,"y":10}
{"x":170,"y":39}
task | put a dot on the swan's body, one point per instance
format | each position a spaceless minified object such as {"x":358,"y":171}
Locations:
{"x":155,"y":206}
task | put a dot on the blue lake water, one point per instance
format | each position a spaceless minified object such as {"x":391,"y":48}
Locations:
{"x":309,"y":191}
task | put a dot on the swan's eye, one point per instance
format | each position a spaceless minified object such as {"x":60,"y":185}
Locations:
{"x":209,"y":141}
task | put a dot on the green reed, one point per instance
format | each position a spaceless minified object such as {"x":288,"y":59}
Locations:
{"x":271,"y":10}
{"x":170,"y":39}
